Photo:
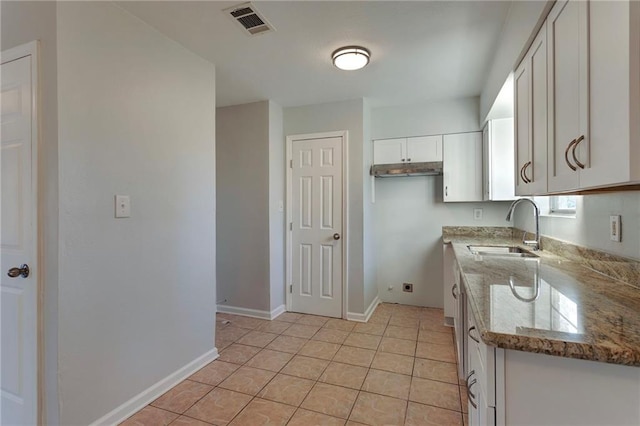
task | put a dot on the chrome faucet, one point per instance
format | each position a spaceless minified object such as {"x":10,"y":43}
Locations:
{"x":536,"y":213}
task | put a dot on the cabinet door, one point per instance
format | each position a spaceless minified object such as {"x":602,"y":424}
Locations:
{"x":449,"y":284}
{"x":389,"y":151}
{"x":522,"y":110}
{"x":462,"y":167}
{"x":567,"y":36}
{"x":530,"y":103}
{"x":614,"y":103}
{"x":486,"y":163}
{"x":498,"y":154}
{"x":424,"y":148}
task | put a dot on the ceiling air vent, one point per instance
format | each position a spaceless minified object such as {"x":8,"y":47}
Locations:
{"x":249,"y":18}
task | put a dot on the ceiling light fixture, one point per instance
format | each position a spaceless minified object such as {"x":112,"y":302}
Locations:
{"x":351,"y":58}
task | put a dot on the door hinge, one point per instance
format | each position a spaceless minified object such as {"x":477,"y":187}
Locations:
{"x":291,"y":164}
{"x":291,"y":289}
{"x":290,"y":226}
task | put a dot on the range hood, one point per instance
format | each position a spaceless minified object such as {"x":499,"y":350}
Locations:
{"x":432,"y":168}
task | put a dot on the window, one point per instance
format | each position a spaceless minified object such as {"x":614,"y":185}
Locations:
{"x":562,"y":204}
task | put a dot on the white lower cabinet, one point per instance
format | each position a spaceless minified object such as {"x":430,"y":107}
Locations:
{"x":509,"y":387}
{"x":480,"y":378}
{"x":450,"y":283}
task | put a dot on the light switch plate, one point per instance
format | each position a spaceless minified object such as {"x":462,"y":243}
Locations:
{"x":122,"y":206}
{"x":614,"y":228}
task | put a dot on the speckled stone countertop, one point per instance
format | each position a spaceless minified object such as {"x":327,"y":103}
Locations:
{"x":578,"y":313}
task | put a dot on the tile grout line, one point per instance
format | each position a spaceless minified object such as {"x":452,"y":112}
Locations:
{"x":329,"y":361}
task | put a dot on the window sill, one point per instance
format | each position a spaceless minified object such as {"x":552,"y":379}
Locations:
{"x":559,"y":215}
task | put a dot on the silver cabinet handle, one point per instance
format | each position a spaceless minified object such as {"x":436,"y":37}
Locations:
{"x":403,"y":159}
{"x":408,"y":159}
{"x":22,"y":271}
{"x":566,"y":155}
{"x":524,"y":172}
{"x":470,"y":335}
{"x":453,"y":291}
{"x":470,"y":395}
{"x":573,"y":152}
{"x":446,"y":191}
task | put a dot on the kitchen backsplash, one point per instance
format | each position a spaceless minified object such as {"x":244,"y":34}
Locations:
{"x":617,"y":267}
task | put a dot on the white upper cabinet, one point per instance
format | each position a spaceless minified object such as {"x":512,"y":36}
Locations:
{"x":407,"y":150}
{"x":586,"y":133}
{"x":568,"y":100}
{"x":462,"y":167}
{"x":613,"y":154}
{"x":389,"y":151}
{"x":530,"y":106}
{"x":497,"y":150}
{"x":424,"y":149}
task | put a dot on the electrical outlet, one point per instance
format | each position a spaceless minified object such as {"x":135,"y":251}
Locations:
{"x":615,"y":228}
{"x":477,"y":214}
{"x":408,"y":287}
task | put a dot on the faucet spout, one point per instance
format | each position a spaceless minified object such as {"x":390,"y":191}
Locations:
{"x":536,"y":213}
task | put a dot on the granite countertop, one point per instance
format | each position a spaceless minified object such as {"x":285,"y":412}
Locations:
{"x":578,"y":313}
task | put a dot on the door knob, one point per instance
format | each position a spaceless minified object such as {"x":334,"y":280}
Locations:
{"x":22,"y":271}
{"x":336,"y":236}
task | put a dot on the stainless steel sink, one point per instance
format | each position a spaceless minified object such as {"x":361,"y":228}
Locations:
{"x":502,"y":251}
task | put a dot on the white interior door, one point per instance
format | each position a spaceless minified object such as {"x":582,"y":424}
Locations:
{"x":317,"y":240}
{"x":18,"y":294}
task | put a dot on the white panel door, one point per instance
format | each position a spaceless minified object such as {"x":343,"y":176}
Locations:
{"x":390,"y":151}
{"x":424,"y":148}
{"x":18,"y":294}
{"x":317,"y":226}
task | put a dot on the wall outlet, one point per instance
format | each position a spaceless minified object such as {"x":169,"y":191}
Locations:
{"x":408,"y":287}
{"x":615,"y":228}
{"x":477,"y":214}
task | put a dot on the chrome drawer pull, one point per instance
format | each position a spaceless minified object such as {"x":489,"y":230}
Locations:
{"x":470,"y":335}
{"x":470,"y":395}
{"x":524,"y":172}
{"x":573,"y":152}
{"x":566,"y":155}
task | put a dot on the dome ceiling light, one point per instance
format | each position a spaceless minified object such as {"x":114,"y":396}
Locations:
{"x":351,"y":58}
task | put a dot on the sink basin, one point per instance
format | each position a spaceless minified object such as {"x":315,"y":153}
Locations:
{"x":502,"y":251}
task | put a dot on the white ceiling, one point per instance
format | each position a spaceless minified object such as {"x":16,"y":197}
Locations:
{"x":421,"y":50}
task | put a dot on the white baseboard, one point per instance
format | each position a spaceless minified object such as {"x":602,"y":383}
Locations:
{"x":254,"y":313}
{"x":352,"y":316}
{"x":277,"y":311}
{"x":150,"y":394}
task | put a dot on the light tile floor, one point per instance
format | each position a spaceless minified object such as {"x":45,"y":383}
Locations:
{"x":397,"y":369}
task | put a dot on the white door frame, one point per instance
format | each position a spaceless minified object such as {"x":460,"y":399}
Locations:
{"x":33,"y":49}
{"x":344,"y":134}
